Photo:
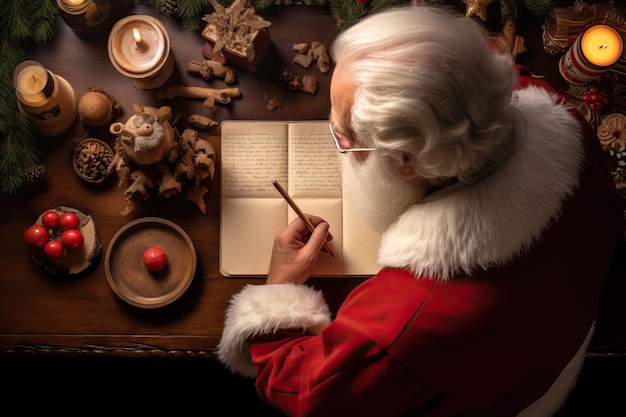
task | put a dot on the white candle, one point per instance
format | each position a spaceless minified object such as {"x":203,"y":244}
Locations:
{"x":31,"y":81}
{"x":139,"y":47}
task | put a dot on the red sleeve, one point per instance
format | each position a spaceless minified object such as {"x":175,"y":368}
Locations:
{"x":345,"y":371}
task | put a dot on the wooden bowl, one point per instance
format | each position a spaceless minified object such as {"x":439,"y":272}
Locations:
{"x":132,"y":281}
{"x":92,"y":158}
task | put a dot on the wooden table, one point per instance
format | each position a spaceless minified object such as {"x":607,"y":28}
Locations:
{"x":45,"y":315}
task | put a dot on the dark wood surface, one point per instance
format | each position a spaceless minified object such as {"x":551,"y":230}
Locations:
{"x":45,"y":315}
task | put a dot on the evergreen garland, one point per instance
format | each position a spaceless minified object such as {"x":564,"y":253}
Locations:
{"x":538,"y":8}
{"x":25,"y":22}
{"x":190,"y":12}
{"x":21,"y":23}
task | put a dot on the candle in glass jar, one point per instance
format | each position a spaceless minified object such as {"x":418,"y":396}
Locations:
{"x":85,"y":17}
{"x":592,"y":55}
{"x":47,"y":100}
{"x":601,"y":45}
{"x":34,"y":84}
{"x":139,"y":47}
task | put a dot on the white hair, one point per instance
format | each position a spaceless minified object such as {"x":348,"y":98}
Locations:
{"x":429,"y":86}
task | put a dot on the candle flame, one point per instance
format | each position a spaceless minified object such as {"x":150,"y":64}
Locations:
{"x":137,"y":36}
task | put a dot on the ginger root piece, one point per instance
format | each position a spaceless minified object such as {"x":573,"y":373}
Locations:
{"x":196,"y":196}
{"x":303,"y":60}
{"x":301,"y":47}
{"x":320,"y":53}
{"x":316,"y":51}
{"x":201,"y":122}
{"x":210,"y":68}
{"x":211,"y":95}
{"x":309,"y":84}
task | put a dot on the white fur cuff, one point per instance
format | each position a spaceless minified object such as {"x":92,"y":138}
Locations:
{"x":264,"y":309}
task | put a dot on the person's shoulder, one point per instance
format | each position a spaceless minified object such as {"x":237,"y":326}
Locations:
{"x":527,"y":80}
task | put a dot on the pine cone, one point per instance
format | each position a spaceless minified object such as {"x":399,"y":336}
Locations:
{"x":35,"y":174}
{"x":168,"y":7}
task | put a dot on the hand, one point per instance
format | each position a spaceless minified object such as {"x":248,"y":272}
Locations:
{"x":296,"y":250}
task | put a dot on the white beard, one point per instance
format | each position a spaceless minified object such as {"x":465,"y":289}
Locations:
{"x":375,"y":193}
{"x":146,"y":143}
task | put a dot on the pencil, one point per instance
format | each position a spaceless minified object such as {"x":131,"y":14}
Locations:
{"x":300,"y":214}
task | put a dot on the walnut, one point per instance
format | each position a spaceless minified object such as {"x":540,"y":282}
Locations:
{"x":92,"y":159}
{"x":612,"y":132}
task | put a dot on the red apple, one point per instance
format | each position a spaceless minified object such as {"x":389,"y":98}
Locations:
{"x":154,"y":259}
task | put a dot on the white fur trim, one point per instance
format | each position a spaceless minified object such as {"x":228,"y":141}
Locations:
{"x":489,"y":223}
{"x":264,"y":309}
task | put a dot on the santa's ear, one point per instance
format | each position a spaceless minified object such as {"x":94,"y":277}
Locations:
{"x":406,"y":170}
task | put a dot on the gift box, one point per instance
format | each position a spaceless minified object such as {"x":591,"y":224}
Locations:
{"x":238,"y":35}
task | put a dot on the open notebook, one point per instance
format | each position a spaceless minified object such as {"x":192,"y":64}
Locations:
{"x":302,"y":157}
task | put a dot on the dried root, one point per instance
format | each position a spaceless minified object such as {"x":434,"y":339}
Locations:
{"x":198,"y":121}
{"x":211,"y":95}
{"x":306,"y":83}
{"x":209,"y":69}
{"x":304,"y":60}
{"x":307,"y":54}
{"x":320,"y":53}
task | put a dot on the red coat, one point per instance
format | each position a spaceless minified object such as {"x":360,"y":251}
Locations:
{"x":479,"y":317}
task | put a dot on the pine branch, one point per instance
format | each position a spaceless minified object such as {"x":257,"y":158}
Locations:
{"x":190,"y":13}
{"x":20,"y":23}
{"x":539,"y":8}
{"x":346,"y":13}
{"x":263,"y":4}
{"x":19,"y":18}
{"x":377,"y":5}
{"x":45,"y":21}
{"x":189,"y":9}
{"x":19,"y":150}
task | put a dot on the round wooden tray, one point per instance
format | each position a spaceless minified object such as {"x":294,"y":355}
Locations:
{"x":130,"y":279}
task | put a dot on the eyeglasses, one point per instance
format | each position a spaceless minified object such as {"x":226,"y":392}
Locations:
{"x":342,"y":139}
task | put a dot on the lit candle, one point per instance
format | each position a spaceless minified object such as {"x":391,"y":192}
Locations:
{"x":85,"y":16}
{"x":33,"y":83}
{"x":47,"y":100}
{"x":601,"y":45}
{"x":139,"y":47}
{"x":591,"y":55}
{"x":138,"y":40}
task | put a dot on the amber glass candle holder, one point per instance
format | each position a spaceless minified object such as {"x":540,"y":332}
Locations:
{"x":85,"y":17}
{"x":47,"y":100}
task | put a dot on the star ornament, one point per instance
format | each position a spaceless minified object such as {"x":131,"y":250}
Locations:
{"x":477,"y":8}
